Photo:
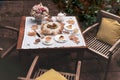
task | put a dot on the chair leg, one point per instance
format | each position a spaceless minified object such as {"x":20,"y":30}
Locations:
{"x":99,"y":63}
{"x":7,"y":51}
{"x":107,"y":68}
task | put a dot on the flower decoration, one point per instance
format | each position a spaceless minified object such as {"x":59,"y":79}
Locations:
{"x":39,"y":10}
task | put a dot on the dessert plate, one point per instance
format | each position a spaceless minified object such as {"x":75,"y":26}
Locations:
{"x":61,"y":38}
{"x":69,"y":28}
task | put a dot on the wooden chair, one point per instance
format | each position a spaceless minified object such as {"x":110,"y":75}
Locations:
{"x":7,"y":39}
{"x":69,"y":76}
{"x":100,"y":48}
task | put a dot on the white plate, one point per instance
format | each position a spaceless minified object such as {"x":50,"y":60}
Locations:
{"x":69,"y":27}
{"x":61,"y":38}
{"x":47,"y":43}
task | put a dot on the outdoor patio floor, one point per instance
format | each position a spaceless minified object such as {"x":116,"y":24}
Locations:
{"x":11,"y":66}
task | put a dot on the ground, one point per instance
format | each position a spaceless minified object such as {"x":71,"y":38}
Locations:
{"x":11,"y":66}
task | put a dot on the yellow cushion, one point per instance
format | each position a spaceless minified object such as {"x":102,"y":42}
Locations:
{"x":51,"y":75}
{"x":109,"y":31}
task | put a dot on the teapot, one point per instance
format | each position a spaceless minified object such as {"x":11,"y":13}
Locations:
{"x":60,"y":16}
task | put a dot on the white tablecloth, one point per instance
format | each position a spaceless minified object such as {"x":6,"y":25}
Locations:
{"x":28,"y":41}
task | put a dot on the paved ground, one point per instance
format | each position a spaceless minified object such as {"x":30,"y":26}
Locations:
{"x":10,"y":66}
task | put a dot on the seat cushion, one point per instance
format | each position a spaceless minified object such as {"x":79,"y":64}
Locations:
{"x":109,"y":31}
{"x":51,"y":75}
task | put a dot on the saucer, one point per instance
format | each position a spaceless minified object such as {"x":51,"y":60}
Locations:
{"x":47,"y":40}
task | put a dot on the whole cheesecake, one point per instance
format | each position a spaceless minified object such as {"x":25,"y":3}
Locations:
{"x":51,"y":28}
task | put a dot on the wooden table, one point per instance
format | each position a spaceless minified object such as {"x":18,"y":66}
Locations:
{"x":67,"y":47}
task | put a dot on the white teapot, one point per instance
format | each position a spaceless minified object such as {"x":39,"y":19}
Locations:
{"x":60,"y":16}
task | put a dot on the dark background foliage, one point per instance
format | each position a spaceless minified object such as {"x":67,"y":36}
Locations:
{"x":86,"y":10}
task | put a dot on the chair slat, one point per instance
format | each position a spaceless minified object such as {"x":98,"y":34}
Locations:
{"x":99,"y":46}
